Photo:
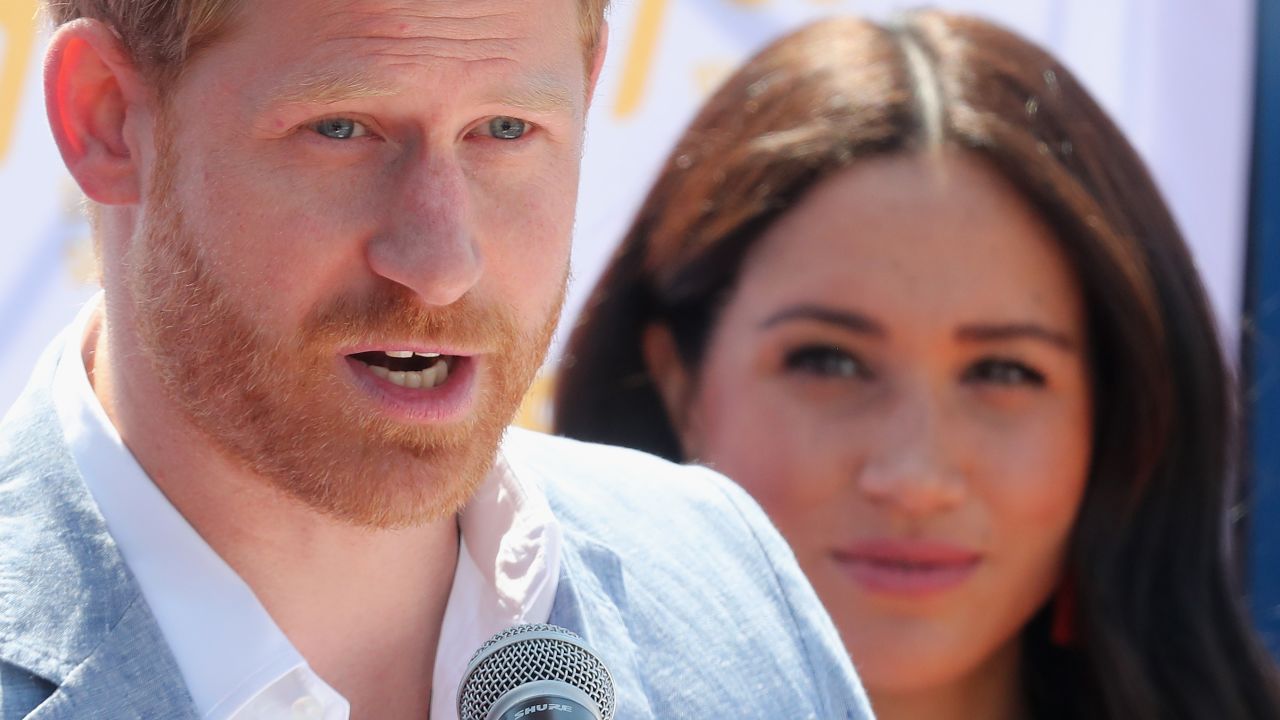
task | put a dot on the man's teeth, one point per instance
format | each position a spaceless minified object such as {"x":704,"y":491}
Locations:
{"x":433,"y":376}
{"x":405,"y":354}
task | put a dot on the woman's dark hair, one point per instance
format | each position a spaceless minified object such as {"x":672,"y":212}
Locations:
{"x":1160,"y":628}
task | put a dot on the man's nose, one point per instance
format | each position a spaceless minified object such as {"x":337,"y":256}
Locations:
{"x":912,"y":465}
{"x":428,"y":243}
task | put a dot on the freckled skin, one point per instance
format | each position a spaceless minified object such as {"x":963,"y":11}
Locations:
{"x":320,"y":176}
{"x":419,"y":215}
{"x":423,"y":200}
{"x":919,"y":443}
{"x":508,"y":200}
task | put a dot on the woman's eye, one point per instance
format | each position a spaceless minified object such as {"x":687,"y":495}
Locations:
{"x":1004,"y":372}
{"x":340,"y":128}
{"x":824,"y":361}
{"x":507,"y":128}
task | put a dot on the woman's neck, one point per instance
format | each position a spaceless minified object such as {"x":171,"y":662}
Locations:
{"x":992,"y":691}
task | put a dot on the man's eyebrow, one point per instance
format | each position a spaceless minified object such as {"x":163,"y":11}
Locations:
{"x":541,"y":95}
{"x":1017,"y":331}
{"x":846,"y":319}
{"x":328,"y":86}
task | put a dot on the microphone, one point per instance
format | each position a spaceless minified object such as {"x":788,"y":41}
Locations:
{"x":535,"y":672}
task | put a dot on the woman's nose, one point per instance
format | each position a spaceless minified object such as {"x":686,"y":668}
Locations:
{"x":913,"y":463}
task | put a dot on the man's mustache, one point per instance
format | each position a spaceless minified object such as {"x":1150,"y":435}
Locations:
{"x":394,"y":311}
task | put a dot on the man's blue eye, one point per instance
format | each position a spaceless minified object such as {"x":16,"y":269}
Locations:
{"x":507,"y":128}
{"x":340,"y":128}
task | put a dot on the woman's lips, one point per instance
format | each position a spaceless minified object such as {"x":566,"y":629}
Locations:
{"x":907,"y":568}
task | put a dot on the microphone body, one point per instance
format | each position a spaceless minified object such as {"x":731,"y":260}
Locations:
{"x":544,"y":700}
{"x":536,"y":672}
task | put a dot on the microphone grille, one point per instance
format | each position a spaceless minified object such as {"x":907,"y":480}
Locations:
{"x":530,"y":653}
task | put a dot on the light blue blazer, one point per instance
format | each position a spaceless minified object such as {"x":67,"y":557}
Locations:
{"x":672,"y":574}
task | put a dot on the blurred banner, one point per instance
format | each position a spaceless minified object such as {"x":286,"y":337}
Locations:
{"x":1176,"y":74}
{"x":1262,"y":336}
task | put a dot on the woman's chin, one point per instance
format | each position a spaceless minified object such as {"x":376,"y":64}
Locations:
{"x":905,"y":677}
{"x":902,"y":659}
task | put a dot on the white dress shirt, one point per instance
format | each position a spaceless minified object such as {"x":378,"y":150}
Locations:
{"x":237,"y":663}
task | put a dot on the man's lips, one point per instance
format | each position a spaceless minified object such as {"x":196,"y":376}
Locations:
{"x":409,"y":368}
{"x":906,"y":568}
{"x":411,"y":345}
{"x":414,"y":383}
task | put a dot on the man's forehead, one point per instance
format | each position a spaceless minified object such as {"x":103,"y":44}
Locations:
{"x":447,"y":29}
{"x":347,"y":49}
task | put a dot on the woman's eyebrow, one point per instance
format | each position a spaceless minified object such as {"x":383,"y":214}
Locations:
{"x":1017,"y":331}
{"x":845,"y":319}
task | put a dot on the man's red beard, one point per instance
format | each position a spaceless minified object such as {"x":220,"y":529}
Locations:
{"x":278,"y":405}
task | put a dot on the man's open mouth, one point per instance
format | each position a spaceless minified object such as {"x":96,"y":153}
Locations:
{"x":407,"y":368}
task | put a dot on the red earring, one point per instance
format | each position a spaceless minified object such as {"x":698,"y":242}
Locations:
{"x":1062,"y":631}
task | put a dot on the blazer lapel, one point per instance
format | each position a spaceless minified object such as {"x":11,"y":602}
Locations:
{"x":130,"y":676}
{"x":591,"y":578}
{"x":70,"y":610}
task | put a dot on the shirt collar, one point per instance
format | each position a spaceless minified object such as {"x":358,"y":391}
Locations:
{"x":235,"y":660}
{"x":508,"y":568}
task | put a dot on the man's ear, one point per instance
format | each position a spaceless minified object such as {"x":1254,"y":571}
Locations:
{"x":91,"y":85}
{"x":674,"y":384}
{"x":597,"y":62}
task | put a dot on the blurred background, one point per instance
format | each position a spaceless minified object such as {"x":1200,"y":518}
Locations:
{"x":1195,"y":85}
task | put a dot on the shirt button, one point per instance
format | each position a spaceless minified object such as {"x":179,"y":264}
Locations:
{"x":307,"y":708}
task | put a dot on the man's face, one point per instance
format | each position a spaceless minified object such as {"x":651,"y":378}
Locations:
{"x":338,"y":184}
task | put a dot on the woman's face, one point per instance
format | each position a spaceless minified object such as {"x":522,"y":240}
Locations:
{"x":901,"y":380}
